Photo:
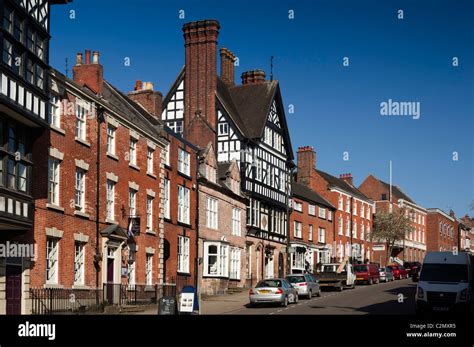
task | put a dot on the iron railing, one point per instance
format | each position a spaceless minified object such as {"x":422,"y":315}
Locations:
{"x":63,"y":300}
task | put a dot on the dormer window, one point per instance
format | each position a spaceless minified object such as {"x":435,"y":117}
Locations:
{"x":211,"y":174}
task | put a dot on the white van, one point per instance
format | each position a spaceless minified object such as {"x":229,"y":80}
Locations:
{"x":445,"y":283}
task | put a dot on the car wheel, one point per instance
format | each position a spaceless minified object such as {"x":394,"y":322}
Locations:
{"x":370,"y":282}
{"x":285,"y":302}
{"x":318,"y":294}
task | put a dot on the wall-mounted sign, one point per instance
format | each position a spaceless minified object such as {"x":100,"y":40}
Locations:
{"x":134,"y":225}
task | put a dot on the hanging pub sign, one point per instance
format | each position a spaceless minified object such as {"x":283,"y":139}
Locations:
{"x":133,"y":226}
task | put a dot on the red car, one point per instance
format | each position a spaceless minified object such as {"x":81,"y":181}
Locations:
{"x":399,"y":272}
{"x":367,"y":273}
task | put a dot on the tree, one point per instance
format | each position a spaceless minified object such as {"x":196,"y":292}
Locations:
{"x":390,"y":228}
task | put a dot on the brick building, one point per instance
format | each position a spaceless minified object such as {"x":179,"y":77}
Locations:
{"x":441,"y":232}
{"x":464,"y":232}
{"x":353,"y":217}
{"x":468,"y":222}
{"x":24,"y":86}
{"x":107,"y":224}
{"x":245,"y":123}
{"x":413,"y":247}
{"x":222,"y":238}
{"x":312,"y":229}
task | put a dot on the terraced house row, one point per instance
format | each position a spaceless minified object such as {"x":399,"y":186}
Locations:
{"x":120,"y":191}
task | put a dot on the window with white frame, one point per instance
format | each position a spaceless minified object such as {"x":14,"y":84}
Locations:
{"x":55,"y":111}
{"x":52,"y":266}
{"x":132,"y":202}
{"x":298,"y":206}
{"x":235,"y":263}
{"x":211,"y":213}
{"x":133,"y":151}
{"x":183,"y":254}
{"x":321,"y":235}
{"x":110,"y":204}
{"x":354,"y":235}
{"x":79,"y":263}
{"x":329,"y":215}
{"x":216,"y":259}
{"x":312,"y":210}
{"x":53,"y":179}
{"x":348,"y":205}
{"x":368,"y":213}
{"x":362,"y":230}
{"x":80,"y":190}
{"x":322,"y":212}
{"x":149,"y":270}
{"x":149,"y":212}
{"x":80,"y":123}
{"x":298,"y":229}
{"x":149,"y":160}
{"x":167,"y":154}
{"x":348,"y":227}
{"x":339,"y":203}
{"x":310,"y":232}
{"x":166,"y":197}
{"x":354,"y":209}
{"x":184,"y":159}
{"x":111,"y":130}
{"x":236,"y":222}
{"x":362,"y":210}
{"x":183,"y":204}
{"x":367,"y":232}
{"x":340,"y":226}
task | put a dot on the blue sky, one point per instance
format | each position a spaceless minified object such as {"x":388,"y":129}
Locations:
{"x":337,"y":108}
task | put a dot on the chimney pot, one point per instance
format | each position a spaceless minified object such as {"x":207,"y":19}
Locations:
{"x":79,"y":59}
{"x":95,"y":57}
{"x":88,"y":57}
{"x":253,"y":77}
{"x":138,"y":85}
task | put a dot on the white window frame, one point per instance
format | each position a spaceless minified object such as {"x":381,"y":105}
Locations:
{"x":212,"y":216}
{"x":221,"y":265}
{"x":110,"y":200}
{"x":149,"y":269}
{"x":340,"y":225}
{"x":132,"y":202}
{"x":310,"y":232}
{"x":52,"y":260}
{"x":235,"y":259}
{"x":311,"y":210}
{"x":167,"y":154}
{"x":354,"y":207}
{"x":184,"y":159}
{"x":55,"y":111}
{"x":297,"y":229}
{"x":183,"y":204}
{"x":79,"y":260}
{"x":81,"y":123}
{"x":348,"y":205}
{"x":298,"y":206}
{"x":236,"y":222}
{"x":183,"y":254}
{"x":149,"y":212}
{"x":111,"y":139}
{"x":321,"y":212}
{"x":54,"y":174}
{"x":329,"y":215}
{"x":348,"y":227}
{"x":340,"y":203}
{"x":133,"y":151}
{"x":321,"y":235}
{"x":149,"y":160}
{"x":80,"y":190}
{"x":362,"y":210}
{"x":166,"y":198}
{"x":131,"y":274}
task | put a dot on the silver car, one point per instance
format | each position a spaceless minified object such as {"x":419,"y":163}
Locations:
{"x":386,"y":274}
{"x":306,"y":285}
{"x":273,"y":290}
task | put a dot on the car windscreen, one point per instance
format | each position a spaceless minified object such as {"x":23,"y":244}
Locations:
{"x":329,"y":268}
{"x":269,"y":283}
{"x":444,"y":273}
{"x":296,"y":279}
{"x":360,"y":268}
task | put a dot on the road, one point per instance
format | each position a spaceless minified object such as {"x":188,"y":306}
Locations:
{"x":396,"y":297}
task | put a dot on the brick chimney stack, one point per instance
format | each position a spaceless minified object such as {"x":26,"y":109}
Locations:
{"x":347,"y":177}
{"x":87,"y":74}
{"x":227,"y":66}
{"x":253,"y":77}
{"x":306,"y":164}
{"x":145,"y":95}
{"x":200,"y":118}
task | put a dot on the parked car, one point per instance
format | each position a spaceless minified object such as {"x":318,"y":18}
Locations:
{"x":273,"y":290}
{"x":410,"y":265}
{"x":445,"y":284}
{"x":306,"y":285}
{"x":415,"y":273}
{"x":367,"y":273}
{"x":399,"y":272}
{"x":386,"y":274}
{"x":338,"y":276}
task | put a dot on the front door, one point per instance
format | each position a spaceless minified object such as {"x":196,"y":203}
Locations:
{"x":110,"y":280}
{"x":13,"y":289}
{"x":281,"y":266}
